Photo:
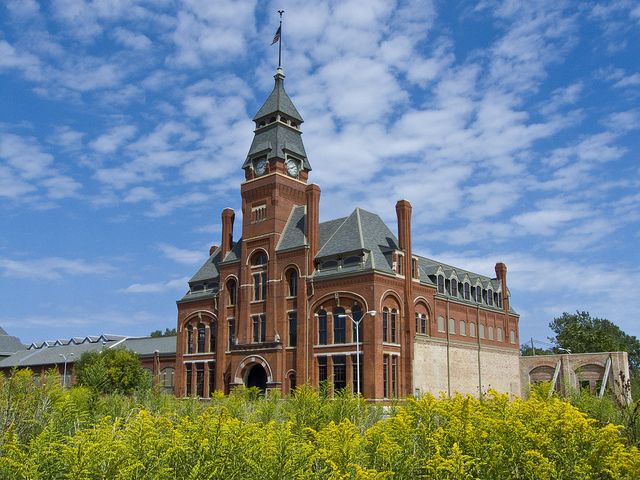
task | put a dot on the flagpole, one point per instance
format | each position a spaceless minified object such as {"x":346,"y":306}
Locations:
{"x":280,"y":41}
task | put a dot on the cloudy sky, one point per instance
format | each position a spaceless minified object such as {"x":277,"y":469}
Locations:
{"x":512,"y":127}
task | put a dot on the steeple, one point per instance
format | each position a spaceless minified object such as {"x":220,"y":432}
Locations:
{"x":277,"y":136}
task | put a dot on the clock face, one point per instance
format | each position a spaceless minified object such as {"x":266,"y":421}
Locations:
{"x":260,"y":166}
{"x":293,"y":167}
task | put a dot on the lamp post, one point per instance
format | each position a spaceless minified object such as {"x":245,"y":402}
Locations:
{"x":357,"y":324}
{"x":64,"y":374}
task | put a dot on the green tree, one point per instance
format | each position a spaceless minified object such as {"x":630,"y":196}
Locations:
{"x":168,"y":332}
{"x":580,"y":333}
{"x":112,"y":371}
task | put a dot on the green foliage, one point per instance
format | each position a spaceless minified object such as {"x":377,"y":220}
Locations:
{"x":53,"y":433}
{"x":111,"y":371}
{"x":168,"y":332}
{"x":580,"y":333}
{"x":526,"y":350}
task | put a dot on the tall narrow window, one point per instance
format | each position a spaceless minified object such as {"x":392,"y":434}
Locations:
{"x":452,"y":326}
{"x":259,"y":286}
{"x":500,"y":335}
{"x":356,"y":314}
{"x":322,"y":327}
{"x":467,"y":291}
{"x":473,"y":293}
{"x":385,"y":376}
{"x":232,"y":332}
{"x":212,"y":337}
{"x":463,"y":327}
{"x":472,"y":329}
{"x":385,"y":324}
{"x":189,"y":338}
{"x":490,"y":297}
{"x":481,"y":330}
{"x":394,"y":376}
{"x":441,"y":324}
{"x":188,"y":370}
{"x":322,"y":369}
{"x":495,"y":299}
{"x":490,"y":333}
{"x":293,"y":328}
{"x":232,"y":291}
{"x":454,"y":287}
{"x":259,"y":325}
{"x":339,"y":372}
{"x":512,"y":336}
{"x":212,"y":377}
{"x":201,"y":337}
{"x":440,"y":284}
{"x":200,"y":379}
{"x":339,"y":325}
{"x":394,"y":326}
{"x":292,"y":283}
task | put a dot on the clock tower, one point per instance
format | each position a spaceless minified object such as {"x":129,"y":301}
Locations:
{"x":276,"y":167}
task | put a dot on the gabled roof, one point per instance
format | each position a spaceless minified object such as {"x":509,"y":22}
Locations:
{"x":294,"y":233}
{"x":278,"y":101}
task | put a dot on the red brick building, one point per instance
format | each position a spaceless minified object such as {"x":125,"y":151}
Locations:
{"x":273,"y":307}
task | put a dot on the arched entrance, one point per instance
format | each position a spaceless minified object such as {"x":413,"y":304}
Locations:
{"x":257,"y":377}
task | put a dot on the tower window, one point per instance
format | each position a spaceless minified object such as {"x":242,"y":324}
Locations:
{"x":259,"y":259}
{"x":322,"y":327}
{"x":385,"y":324}
{"x":232,"y":332}
{"x":292,"y":319}
{"x":292,"y":283}
{"x":394,"y":326}
{"x":260,"y":286}
{"x":201,"y":337}
{"x":190,"y":339}
{"x":232,"y":291}
{"x":259,"y":324}
{"x":339,"y":326}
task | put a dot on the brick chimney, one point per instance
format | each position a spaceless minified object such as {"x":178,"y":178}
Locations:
{"x":312,"y":194}
{"x":403,"y":212}
{"x":228,"y":216}
{"x":501,"y":274}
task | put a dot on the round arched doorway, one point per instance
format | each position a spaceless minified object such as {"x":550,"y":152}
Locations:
{"x":256,"y":377}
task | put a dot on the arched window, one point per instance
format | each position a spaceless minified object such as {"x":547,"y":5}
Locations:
{"x":322,"y":327}
{"x":292,"y":382}
{"x":189,"y":339}
{"x":440,"y":324}
{"x":292,"y":283}
{"x":356,"y":314}
{"x":481,"y":330}
{"x":339,"y":325}
{"x":232,"y":291}
{"x":452,"y":326}
{"x":385,"y":324}
{"x":440,"y":284}
{"x":472,"y":329}
{"x":463,"y":327}
{"x":512,"y":336}
{"x":421,"y":323}
{"x":201,"y":337}
{"x":500,"y":335}
{"x":259,"y":259}
{"x":490,"y":333}
{"x":212,"y":337}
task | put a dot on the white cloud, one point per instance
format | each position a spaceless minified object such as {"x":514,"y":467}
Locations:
{"x":159,"y":287}
{"x":112,"y":140}
{"x":137,"y":41}
{"x":181,"y":255}
{"x":140,"y":194}
{"x":51,"y":268}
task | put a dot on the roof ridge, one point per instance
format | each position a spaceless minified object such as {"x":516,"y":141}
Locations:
{"x":359,"y":222}
{"x":334,"y":233}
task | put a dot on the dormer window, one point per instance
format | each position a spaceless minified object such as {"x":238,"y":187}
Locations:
{"x":440,"y":284}
{"x":454,"y":287}
{"x":467,"y":293}
{"x":415,"y":272}
{"x":490,"y":297}
{"x":399,"y":263}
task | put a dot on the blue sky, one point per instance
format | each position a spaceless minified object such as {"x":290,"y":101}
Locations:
{"x":512,"y":127}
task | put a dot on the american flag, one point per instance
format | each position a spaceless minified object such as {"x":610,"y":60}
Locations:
{"x":276,"y":37}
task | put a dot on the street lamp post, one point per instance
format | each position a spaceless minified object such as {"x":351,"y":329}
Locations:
{"x":357,"y":324}
{"x":64,"y":374}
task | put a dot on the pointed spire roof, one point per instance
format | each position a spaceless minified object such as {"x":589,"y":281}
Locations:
{"x":278,"y":101}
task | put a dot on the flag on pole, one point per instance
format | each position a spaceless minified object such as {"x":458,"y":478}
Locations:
{"x":276,"y":37}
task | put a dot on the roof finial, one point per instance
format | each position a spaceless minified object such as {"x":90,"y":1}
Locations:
{"x":278,"y":38}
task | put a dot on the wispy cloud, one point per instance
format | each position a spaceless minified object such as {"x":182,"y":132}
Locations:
{"x":181,"y":255}
{"x":52,"y":268}
{"x":175,"y":284}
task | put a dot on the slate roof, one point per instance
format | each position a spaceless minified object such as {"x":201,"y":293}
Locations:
{"x":209,"y":269}
{"x":293,"y":235}
{"x":276,"y":140}
{"x":278,"y":101}
{"x":9,"y":344}
{"x":50,"y":355}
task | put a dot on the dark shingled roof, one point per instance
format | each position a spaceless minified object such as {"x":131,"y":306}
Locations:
{"x":209,"y":269}
{"x":278,"y":101}
{"x":276,"y":140}
{"x":293,"y":235}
